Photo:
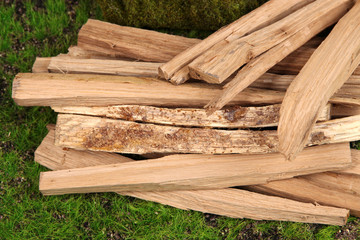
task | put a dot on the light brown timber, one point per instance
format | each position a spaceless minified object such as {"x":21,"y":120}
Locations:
{"x":41,"y":65}
{"x":103,"y":66}
{"x":194,"y":171}
{"x":223,"y":59}
{"x":258,"y":66}
{"x":233,"y":117}
{"x":355,"y":168}
{"x":266,"y":14}
{"x":329,"y":67}
{"x":103,"y":134}
{"x":338,"y":110}
{"x":131,"y":42}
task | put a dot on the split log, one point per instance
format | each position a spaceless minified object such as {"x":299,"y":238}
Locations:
{"x":235,"y":117}
{"x":258,"y":66}
{"x":41,"y":65}
{"x":100,"y":90}
{"x":223,"y":59}
{"x":355,"y":168}
{"x":102,"y":66}
{"x":131,"y":42}
{"x":344,"y":110}
{"x":327,"y":70}
{"x":194,"y":172}
{"x":103,"y":134}
{"x":266,"y":14}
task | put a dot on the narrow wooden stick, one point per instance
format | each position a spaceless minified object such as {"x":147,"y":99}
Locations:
{"x":327,"y":70}
{"x":235,"y":117}
{"x":258,"y":66}
{"x":266,"y":14}
{"x":101,"y":66}
{"x":131,"y":42}
{"x":194,"y":172}
{"x":223,"y":59}
{"x":103,"y":134}
{"x":234,"y":203}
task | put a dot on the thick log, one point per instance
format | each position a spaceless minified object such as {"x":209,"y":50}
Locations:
{"x":102,"y":66}
{"x":223,"y":59}
{"x":258,"y":66}
{"x":194,"y":171}
{"x":131,"y":42}
{"x":101,"y":90}
{"x":103,"y":134}
{"x":327,"y":70}
{"x":235,"y":117}
{"x":41,"y":65}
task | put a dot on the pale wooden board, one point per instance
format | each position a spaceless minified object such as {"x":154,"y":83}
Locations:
{"x":41,"y":65}
{"x":103,"y":134}
{"x":266,"y":14}
{"x":328,"y":68}
{"x":355,"y":169}
{"x":195,"y":171}
{"x":235,"y":117}
{"x":131,"y":42}
{"x":223,"y":59}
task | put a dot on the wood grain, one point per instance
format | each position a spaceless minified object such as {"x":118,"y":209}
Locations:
{"x":327,"y":70}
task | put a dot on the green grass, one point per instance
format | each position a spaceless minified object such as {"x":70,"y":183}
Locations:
{"x":26,"y":214}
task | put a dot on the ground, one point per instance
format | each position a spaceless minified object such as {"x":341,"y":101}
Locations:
{"x":47,"y":28}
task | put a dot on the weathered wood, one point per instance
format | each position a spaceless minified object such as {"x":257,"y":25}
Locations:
{"x":102,"y":66}
{"x":131,"y":42}
{"x":344,"y":110}
{"x":304,"y":190}
{"x":223,"y":59}
{"x":101,"y":90}
{"x":327,"y":70}
{"x":41,"y":65}
{"x":235,"y":117}
{"x":103,"y":134}
{"x":355,"y":168}
{"x":266,"y":14}
{"x":194,"y":171}
{"x":258,"y":66}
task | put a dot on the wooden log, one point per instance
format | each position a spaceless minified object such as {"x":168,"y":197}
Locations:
{"x":131,"y":42}
{"x":194,"y":172}
{"x":344,"y":110}
{"x":258,"y":66}
{"x":103,"y":134}
{"x":100,"y":90}
{"x":355,"y":168}
{"x":102,"y":66}
{"x":234,"y":203}
{"x":304,"y":190}
{"x":223,"y":59}
{"x":235,"y":117}
{"x":41,"y":65}
{"x":266,"y":14}
{"x":327,"y":70}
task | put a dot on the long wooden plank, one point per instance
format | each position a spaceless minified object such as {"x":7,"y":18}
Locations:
{"x":223,"y":59}
{"x":266,"y":14}
{"x":235,"y":117}
{"x":234,"y":203}
{"x":101,"y":90}
{"x":258,"y":66}
{"x":194,"y":171}
{"x":131,"y":42}
{"x":102,"y":66}
{"x":327,"y":70}
{"x":103,"y":134}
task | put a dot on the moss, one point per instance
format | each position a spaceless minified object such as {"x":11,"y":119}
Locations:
{"x":176,"y":14}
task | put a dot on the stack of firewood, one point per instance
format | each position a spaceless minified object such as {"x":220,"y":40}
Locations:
{"x":269,"y":68}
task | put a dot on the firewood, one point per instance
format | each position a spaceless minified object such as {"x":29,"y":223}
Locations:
{"x":102,"y":66}
{"x":100,"y":90}
{"x":304,"y":190}
{"x":344,"y":110}
{"x":131,"y":42}
{"x":355,"y":168}
{"x":258,"y":66}
{"x":266,"y":14}
{"x":103,"y":134}
{"x":327,"y":70}
{"x":194,"y":171}
{"x":41,"y":65}
{"x":234,"y":203}
{"x":223,"y":59}
{"x":235,"y":117}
